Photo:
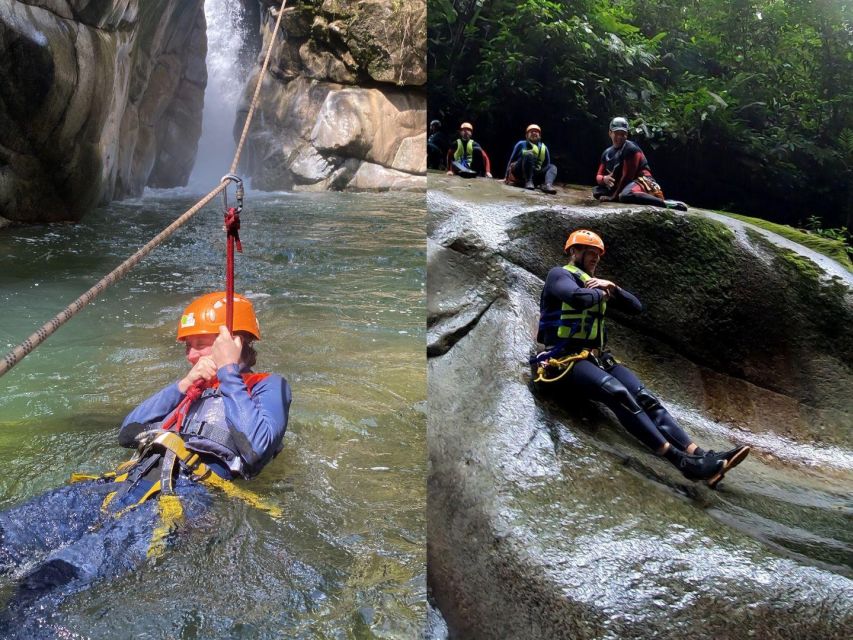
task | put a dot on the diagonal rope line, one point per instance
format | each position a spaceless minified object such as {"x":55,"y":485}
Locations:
{"x":47,"y":329}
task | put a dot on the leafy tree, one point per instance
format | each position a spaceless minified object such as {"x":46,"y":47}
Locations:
{"x":746,"y":104}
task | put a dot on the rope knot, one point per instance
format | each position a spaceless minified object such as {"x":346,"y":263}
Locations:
{"x":232,"y":226}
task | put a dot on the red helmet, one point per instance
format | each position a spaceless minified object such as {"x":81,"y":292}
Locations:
{"x":204,"y":316}
{"x":583,"y":236}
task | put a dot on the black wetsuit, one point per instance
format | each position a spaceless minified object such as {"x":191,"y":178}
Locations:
{"x":437,"y":144}
{"x":601,"y":378}
{"x":625,"y":165}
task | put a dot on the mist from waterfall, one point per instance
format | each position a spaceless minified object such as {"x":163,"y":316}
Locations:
{"x":225,"y":82}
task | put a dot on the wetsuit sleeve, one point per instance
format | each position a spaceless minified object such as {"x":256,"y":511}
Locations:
{"x":516,"y":154}
{"x":155,"y":408}
{"x":626,"y":301}
{"x":602,"y":171}
{"x":486,"y":164}
{"x":258,"y":420}
{"x":563,"y":286}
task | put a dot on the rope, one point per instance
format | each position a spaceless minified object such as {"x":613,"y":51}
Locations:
{"x":27,"y":346}
{"x":22,"y":350}
{"x":232,"y":228}
{"x":562,"y":365}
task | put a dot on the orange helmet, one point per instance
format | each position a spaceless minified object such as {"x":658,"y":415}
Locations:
{"x":583,"y":236}
{"x":533,"y":127}
{"x":466,"y":125}
{"x":206,"y":314}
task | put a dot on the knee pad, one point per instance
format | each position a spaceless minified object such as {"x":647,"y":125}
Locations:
{"x":620,"y":392}
{"x":648,"y":400}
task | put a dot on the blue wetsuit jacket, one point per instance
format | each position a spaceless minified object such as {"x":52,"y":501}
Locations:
{"x":260,"y":417}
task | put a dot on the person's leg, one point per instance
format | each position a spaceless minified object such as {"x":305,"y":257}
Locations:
{"x":633,"y":194}
{"x":665,"y":423}
{"x":528,"y":170}
{"x":120,"y":545}
{"x":599,"y":385}
{"x":49,"y":521}
{"x":549,"y":174}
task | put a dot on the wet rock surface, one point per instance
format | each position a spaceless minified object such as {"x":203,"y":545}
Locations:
{"x":345,"y":103}
{"x":98,"y":101}
{"x":545,"y":519}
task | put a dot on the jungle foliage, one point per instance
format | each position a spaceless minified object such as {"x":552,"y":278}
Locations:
{"x":738,"y":104}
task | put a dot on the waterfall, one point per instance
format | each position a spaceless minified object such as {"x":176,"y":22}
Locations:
{"x":226,"y":35}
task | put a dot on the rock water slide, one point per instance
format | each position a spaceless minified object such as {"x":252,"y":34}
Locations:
{"x":547,"y":520}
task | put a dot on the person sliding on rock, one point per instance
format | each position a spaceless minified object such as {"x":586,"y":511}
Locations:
{"x":465,"y":157}
{"x":624,"y":174}
{"x":530,"y":163}
{"x":572,"y":313}
{"x":218,"y":423}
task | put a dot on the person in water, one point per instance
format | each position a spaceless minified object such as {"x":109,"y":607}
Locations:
{"x":465,"y":157}
{"x":529,"y":163}
{"x":624,"y":174}
{"x":436,"y":146}
{"x":220,"y":422}
{"x":573,"y":307}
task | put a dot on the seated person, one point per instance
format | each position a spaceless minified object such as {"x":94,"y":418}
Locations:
{"x":572,"y":310}
{"x":530,"y":163}
{"x":436,"y":145}
{"x":465,"y":157}
{"x":624,"y":174}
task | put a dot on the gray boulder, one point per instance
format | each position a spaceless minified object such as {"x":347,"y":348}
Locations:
{"x":97,"y":100}
{"x":545,"y":519}
{"x":344,"y":104}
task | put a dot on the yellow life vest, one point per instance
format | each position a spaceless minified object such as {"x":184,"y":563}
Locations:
{"x":538,"y":151}
{"x":584,"y":324}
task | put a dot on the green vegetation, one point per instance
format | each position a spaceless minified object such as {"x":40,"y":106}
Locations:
{"x":739,"y":104}
{"x":832,"y":248}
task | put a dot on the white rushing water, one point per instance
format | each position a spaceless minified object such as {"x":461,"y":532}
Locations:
{"x":225,"y":82}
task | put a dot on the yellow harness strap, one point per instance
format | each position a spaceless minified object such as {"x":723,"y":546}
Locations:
{"x":171,"y":517}
{"x":560,"y":365}
{"x":171,"y":511}
{"x":202,"y":473}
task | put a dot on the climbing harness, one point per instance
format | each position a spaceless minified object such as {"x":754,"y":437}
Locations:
{"x":19,"y":352}
{"x":552,"y":369}
{"x":160,"y":457}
